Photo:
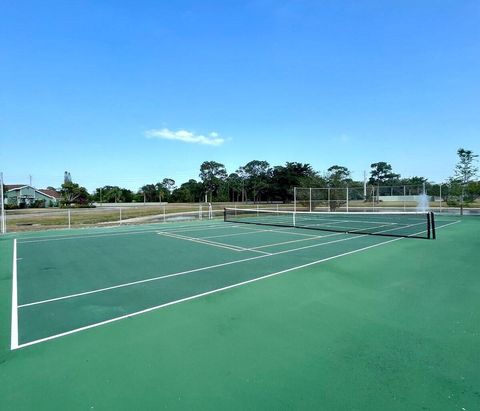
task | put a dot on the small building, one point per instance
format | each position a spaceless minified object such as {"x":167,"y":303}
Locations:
{"x":21,"y":195}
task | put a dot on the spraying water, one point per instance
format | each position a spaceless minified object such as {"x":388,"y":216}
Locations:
{"x":422,"y":202}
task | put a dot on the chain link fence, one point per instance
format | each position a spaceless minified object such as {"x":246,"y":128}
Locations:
{"x":33,"y":219}
{"x":443,"y":198}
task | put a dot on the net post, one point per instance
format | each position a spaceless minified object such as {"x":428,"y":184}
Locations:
{"x":432,"y":224}
{"x":225,"y":214}
{"x":428,"y":225}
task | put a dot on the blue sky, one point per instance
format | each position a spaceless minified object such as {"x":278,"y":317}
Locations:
{"x":130,"y":92}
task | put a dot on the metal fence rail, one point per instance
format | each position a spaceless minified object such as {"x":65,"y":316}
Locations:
{"x":438,"y":197}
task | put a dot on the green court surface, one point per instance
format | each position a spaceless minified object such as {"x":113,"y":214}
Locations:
{"x":215,"y":315}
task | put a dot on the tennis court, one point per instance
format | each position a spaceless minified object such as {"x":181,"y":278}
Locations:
{"x":68,"y":286}
{"x":69,"y":283}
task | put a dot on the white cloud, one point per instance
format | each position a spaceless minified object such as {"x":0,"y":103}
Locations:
{"x":212,"y":139}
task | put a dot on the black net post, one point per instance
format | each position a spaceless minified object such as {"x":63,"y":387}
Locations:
{"x":432,"y":223}
{"x":428,"y":225}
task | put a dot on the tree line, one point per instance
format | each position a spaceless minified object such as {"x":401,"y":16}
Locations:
{"x":258,"y":181}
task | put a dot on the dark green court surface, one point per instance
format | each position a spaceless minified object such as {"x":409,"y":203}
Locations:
{"x":214,"y":315}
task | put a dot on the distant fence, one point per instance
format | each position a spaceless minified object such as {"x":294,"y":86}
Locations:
{"x":132,"y":204}
{"x":438,"y":197}
{"x":114,"y":214}
{"x":102,"y":216}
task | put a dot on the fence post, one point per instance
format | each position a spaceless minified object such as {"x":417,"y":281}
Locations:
{"x":310,"y":199}
{"x":347,"y":199}
{"x":294,"y":199}
{"x":441,"y":198}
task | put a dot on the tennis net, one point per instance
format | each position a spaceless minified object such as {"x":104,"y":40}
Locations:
{"x":393,"y":224}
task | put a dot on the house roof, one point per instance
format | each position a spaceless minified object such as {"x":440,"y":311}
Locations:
{"x":49,"y":193}
{"x":9,"y":187}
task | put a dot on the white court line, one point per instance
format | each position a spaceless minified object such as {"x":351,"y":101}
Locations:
{"x":339,"y":221}
{"x":349,"y":229}
{"x":294,"y":231}
{"x":210,"y":243}
{"x":282,"y":230}
{"x":86,"y":236}
{"x":237,"y":234}
{"x":296,"y":241}
{"x":195,"y":239}
{"x":157,"y":278}
{"x":188,"y":229}
{"x":362,"y":229}
{"x":263,"y":231}
{"x":204,"y":294}
{"x":216,"y":290}
{"x":14,"y":325}
{"x":200,"y":241}
{"x":326,"y":223}
{"x":393,"y":229}
{"x":162,"y":277}
{"x":446,"y":225}
{"x":152,"y":230}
